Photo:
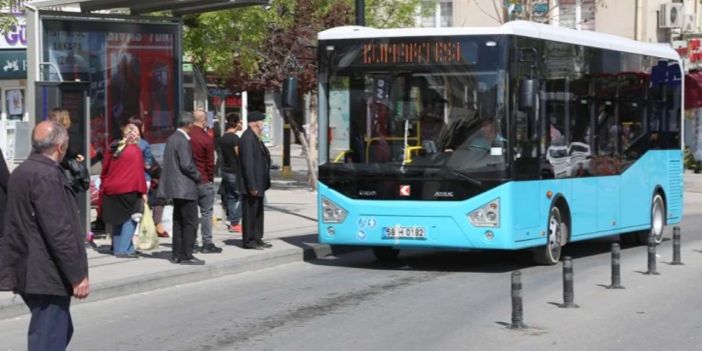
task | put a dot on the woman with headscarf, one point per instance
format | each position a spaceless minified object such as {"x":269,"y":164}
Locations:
{"x":152,"y":173}
{"x":124,"y":190}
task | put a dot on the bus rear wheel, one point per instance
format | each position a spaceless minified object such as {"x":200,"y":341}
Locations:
{"x":657,"y":222}
{"x":550,"y":254}
{"x":383,"y":253}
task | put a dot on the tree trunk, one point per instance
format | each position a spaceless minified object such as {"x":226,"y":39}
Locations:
{"x":312,"y":156}
{"x":311,"y":166}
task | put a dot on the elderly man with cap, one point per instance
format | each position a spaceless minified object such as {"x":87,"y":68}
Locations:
{"x":254,"y":180}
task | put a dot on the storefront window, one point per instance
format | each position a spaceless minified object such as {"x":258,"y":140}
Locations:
{"x":14,"y":104}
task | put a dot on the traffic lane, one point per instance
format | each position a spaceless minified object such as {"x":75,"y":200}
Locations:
{"x":304,"y":306}
{"x":221,"y":313}
{"x":468,"y":308}
{"x":467,"y":304}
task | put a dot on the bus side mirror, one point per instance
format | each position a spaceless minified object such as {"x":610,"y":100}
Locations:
{"x":289,"y":95}
{"x":527,"y":94}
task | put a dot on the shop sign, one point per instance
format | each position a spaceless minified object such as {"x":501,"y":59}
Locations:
{"x":16,"y":37}
{"x":694,"y":51}
{"x":13,"y":64}
{"x":690,"y":51}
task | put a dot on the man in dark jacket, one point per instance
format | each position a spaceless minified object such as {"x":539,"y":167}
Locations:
{"x":42,"y":251}
{"x":254,"y":180}
{"x":178,"y":183}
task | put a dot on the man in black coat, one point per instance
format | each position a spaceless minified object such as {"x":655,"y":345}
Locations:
{"x":42,"y":251}
{"x":178,"y":183}
{"x":254,"y":180}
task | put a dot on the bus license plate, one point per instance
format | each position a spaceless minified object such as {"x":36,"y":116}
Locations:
{"x":404,"y":232}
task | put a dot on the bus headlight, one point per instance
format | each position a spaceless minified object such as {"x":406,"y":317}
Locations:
{"x":331,"y":212}
{"x":486,"y":216}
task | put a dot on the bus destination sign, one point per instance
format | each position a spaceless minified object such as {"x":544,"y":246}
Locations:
{"x":414,"y":53}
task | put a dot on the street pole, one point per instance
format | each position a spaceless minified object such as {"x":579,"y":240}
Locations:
{"x":360,"y":12}
{"x":286,"y":171}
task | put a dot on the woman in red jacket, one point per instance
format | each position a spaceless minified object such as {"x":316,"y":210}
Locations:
{"x":124,"y":190}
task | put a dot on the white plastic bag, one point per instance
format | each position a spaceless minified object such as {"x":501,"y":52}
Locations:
{"x":167,"y":219}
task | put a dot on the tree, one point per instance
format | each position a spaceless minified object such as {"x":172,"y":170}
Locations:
{"x":256,"y":49}
{"x":8,"y":17}
{"x":229,"y":42}
{"x":290,"y":51}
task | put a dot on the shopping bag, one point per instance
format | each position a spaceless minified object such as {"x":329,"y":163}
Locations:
{"x":167,"y":218}
{"x":147,"y":238}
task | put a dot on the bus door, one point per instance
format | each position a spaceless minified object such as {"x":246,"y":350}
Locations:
{"x":606,"y":166}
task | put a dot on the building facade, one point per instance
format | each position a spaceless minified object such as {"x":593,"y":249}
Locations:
{"x":668,"y":22}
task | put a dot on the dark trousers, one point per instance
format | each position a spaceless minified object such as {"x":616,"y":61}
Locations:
{"x":252,"y":219}
{"x":184,"y":228}
{"x":51,"y":326}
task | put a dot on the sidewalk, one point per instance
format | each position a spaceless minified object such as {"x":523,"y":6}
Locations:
{"x":290,"y":225}
{"x":693,"y":181}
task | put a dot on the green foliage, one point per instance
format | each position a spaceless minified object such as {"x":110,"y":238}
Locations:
{"x":7,"y":18}
{"x":256,"y":47}
{"x":690,"y":162}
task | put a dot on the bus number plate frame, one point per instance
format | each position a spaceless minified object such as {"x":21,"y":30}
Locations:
{"x":397,"y":232}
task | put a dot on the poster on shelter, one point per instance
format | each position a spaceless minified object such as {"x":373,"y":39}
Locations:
{"x":132,"y":70}
{"x":141,"y":81}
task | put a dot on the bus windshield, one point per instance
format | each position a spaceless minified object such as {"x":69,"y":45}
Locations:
{"x":403,"y":105}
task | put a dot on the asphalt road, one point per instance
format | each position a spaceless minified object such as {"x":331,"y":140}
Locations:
{"x":426,"y":301}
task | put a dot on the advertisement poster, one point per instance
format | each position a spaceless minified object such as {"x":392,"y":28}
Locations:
{"x":339,"y":116}
{"x":141,"y":69}
{"x":132,"y":69}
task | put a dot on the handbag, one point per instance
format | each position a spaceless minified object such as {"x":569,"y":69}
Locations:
{"x":78,"y":175}
{"x":155,"y":170}
{"x":147,"y":238}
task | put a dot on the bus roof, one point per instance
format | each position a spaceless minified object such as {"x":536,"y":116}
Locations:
{"x":520,"y":28}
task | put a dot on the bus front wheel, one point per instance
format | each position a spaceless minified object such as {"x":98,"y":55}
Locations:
{"x":550,"y":254}
{"x":383,"y":253}
{"x":657,"y":222}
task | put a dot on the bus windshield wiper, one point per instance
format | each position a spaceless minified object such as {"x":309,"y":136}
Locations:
{"x":464,"y":176}
{"x":452,"y":171}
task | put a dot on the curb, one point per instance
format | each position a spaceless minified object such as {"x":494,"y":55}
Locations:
{"x":14,"y":307}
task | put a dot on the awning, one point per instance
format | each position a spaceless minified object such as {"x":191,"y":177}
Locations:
{"x":693,"y":90}
{"x":138,"y":7}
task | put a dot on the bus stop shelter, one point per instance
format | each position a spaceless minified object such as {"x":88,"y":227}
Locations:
{"x":109,"y":10}
{"x":107,"y":61}
{"x":176,"y":7}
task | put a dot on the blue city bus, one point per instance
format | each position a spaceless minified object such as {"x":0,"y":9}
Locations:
{"x":523,"y":136}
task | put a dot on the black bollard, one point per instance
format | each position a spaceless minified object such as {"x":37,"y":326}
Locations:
{"x":652,"y":256}
{"x":568,"y":290}
{"x":676,"y":247}
{"x":616,"y":268}
{"x":517,"y":309}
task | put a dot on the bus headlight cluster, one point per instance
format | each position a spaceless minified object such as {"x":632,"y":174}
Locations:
{"x":486,"y":216}
{"x":331,"y":212}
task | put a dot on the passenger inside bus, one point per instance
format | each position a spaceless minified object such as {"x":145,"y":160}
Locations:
{"x":487,"y":137}
{"x":456,"y":132}
{"x":432,"y":117}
